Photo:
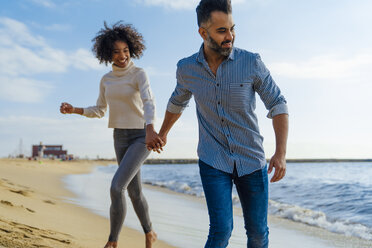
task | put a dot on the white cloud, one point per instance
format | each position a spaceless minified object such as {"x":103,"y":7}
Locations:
{"x":152,"y":71}
{"x":24,"y":54}
{"x":84,"y":60}
{"x":174,"y":4}
{"x":326,"y":67}
{"x":12,"y":31}
{"x":23,"y":89}
{"x":178,"y":4}
{"x":44,"y":3}
{"x":57,"y":27}
{"x":19,"y":60}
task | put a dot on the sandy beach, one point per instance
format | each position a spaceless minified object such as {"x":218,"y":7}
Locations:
{"x":34,"y":211}
{"x":38,"y":210}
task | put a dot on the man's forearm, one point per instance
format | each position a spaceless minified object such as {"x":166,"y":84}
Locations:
{"x":280,"y":124}
{"x":169,"y":120}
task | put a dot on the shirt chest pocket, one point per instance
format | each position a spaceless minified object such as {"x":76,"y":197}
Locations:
{"x":241,"y":95}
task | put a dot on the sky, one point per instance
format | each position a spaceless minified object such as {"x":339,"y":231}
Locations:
{"x":319,"y":52}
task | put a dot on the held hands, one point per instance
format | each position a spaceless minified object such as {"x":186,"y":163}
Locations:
{"x":278,"y":162}
{"x":66,"y":108}
{"x":154,"y":141}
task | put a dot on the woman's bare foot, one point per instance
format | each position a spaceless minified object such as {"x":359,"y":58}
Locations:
{"x":151,"y":237}
{"x":110,"y":244}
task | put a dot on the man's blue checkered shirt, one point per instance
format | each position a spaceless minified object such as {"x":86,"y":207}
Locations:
{"x":225,"y":105}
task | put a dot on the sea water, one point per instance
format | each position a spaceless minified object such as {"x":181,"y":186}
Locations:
{"x":333,"y":196}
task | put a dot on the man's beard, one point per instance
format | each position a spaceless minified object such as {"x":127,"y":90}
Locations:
{"x":212,"y":44}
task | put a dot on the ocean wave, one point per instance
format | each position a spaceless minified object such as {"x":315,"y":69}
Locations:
{"x":178,"y":187}
{"x":287,"y":211}
{"x":319,"y":219}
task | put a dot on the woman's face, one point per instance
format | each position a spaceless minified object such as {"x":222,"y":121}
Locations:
{"x":121,"y":54}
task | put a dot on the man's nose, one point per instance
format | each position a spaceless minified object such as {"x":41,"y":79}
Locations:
{"x":230,"y":35}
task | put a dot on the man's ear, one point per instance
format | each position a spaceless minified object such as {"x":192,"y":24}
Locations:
{"x":203,"y":33}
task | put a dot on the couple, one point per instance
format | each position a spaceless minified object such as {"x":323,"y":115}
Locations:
{"x":223,"y":80}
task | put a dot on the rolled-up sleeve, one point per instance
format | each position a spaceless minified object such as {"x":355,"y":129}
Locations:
{"x":180,"y":97}
{"x":268,"y":91}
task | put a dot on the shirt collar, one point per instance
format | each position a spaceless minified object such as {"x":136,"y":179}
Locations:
{"x":200,"y":57}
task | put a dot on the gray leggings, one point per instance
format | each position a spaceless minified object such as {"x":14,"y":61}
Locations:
{"x":131,"y":152}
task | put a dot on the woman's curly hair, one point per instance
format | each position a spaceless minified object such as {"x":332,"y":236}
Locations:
{"x":103,"y":46}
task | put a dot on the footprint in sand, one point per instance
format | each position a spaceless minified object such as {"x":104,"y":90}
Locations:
{"x":21,"y":235}
{"x":50,"y":202}
{"x":26,"y":229}
{"x":8,"y":203}
{"x":21,"y":192}
{"x":65,"y":241}
{"x":5,"y":230}
{"x":30,"y":210}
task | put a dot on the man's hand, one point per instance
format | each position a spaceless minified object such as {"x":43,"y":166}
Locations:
{"x":278,"y":162}
{"x":153,"y":140}
{"x":157,"y":142}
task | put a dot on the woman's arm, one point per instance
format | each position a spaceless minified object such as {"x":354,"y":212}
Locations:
{"x":67,"y":108}
{"x":98,"y":110}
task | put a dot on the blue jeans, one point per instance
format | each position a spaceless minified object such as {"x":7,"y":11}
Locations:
{"x":253,"y":194}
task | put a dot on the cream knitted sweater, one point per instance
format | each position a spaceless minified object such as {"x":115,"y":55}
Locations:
{"x":127,"y":93}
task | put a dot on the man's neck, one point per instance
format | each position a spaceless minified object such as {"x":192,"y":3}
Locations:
{"x":213,"y":58}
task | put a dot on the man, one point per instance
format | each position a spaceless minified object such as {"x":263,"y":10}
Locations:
{"x":223,"y":80}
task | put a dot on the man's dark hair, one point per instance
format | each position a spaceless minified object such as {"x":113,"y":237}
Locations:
{"x":206,"y":7}
{"x":103,"y":43}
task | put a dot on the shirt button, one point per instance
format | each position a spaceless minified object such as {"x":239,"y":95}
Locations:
{"x":218,"y":85}
{"x":222,"y":120}
{"x":219,"y":102}
{"x":241,"y":85}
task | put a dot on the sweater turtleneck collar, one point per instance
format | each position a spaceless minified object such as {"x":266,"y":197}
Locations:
{"x":119,"y":72}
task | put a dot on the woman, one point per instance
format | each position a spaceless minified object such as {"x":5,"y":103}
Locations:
{"x":126,"y":91}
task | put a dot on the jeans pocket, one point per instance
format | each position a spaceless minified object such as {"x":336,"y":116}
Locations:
{"x":254,"y":182}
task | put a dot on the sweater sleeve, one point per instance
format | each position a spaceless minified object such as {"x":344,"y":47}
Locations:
{"x":146,"y":97}
{"x":100,"y":108}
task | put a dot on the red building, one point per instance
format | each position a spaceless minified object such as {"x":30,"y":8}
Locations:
{"x":47,"y":151}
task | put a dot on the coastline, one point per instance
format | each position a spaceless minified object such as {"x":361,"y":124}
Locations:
{"x":284,"y":233}
{"x":290,"y":160}
{"x":35,"y":212}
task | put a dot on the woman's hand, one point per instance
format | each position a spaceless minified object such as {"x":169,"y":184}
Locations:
{"x":153,"y":140}
{"x":66,"y":108}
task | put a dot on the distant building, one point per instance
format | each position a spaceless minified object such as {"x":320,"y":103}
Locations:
{"x":49,"y":151}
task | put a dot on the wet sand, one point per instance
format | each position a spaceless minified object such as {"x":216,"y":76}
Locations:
{"x":35,"y":212}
